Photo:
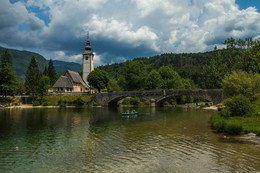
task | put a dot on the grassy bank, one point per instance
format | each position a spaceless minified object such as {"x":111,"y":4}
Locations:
{"x":236,"y":125}
{"x":69,"y":99}
{"x":238,"y":116}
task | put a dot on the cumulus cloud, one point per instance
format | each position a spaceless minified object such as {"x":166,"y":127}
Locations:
{"x":18,"y":27}
{"x":121,"y":30}
{"x":61,"y":55}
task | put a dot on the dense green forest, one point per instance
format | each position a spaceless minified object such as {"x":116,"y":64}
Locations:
{"x":187,"y":65}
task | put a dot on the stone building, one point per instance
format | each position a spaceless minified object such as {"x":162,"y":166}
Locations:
{"x":71,"y":81}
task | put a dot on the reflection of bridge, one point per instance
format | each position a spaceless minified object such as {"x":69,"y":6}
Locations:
{"x":158,"y":97}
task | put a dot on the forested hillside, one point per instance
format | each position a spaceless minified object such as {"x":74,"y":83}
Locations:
{"x":63,"y":66}
{"x":187,"y":65}
{"x":21,"y":61}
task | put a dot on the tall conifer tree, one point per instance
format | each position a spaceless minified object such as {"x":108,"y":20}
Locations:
{"x":8,"y":79}
{"x":45,"y":72}
{"x":32,"y":77}
{"x":52,"y":73}
{"x":6,"y":59}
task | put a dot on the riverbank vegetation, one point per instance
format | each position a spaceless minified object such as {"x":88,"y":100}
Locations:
{"x":63,"y":101}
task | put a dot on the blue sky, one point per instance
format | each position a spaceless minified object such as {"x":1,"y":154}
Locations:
{"x":121,"y":30}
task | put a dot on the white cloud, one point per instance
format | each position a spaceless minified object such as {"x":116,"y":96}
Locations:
{"x":122,"y":32}
{"x":61,"y":55}
{"x":136,"y":27}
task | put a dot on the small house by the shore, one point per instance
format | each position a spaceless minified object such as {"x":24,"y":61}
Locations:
{"x":70,"y":82}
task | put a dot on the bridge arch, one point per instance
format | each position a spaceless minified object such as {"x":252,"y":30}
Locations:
{"x":161,"y":101}
{"x":158,"y":96}
{"x":114,"y":101}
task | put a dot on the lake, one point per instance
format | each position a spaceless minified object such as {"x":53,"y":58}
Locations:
{"x":100,"y":140}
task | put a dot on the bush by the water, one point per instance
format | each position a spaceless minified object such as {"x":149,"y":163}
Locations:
{"x":79,"y":101}
{"x":131,"y":101}
{"x":238,"y":106}
{"x":45,"y":103}
{"x":225,"y":112}
{"x":217,"y":122}
{"x":221,"y":124}
{"x":233,"y":128}
{"x":36,"y":103}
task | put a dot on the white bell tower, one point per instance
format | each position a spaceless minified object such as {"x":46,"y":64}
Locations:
{"x":87,"y":61}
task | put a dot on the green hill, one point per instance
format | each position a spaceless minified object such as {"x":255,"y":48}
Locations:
{"x":21,"y":60}
{"x":188,"y":65}
{"x":63,"y":66}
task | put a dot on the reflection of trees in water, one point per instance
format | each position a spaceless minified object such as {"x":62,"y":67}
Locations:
{"x":36,"y":127}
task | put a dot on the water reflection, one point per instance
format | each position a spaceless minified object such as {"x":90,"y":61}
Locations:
{"x":99,"y":140}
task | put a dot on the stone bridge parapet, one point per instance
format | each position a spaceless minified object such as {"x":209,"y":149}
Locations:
{"x":158,"y":97}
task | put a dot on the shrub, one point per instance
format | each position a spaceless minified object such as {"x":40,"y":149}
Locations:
{"x":5,"y":100}
{"x":225,"y":112}
{"x":62,"y":105}
{"x":36,"y":103}
{"x":79,"y":101}
{"x":95,"y":104}
{"x":233,"y":128}
{"x":218,"y":123}
{"x":134,"y":101}
{"x":239,"y":106}
{"x":45,"y":103}
{"x":241,"y":82}
{"x":126,"y":101}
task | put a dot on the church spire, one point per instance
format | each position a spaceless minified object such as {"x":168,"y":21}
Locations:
{"x":88,"y":47}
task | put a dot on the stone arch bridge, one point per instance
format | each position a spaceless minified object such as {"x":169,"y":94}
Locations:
{"x":158,"y":97}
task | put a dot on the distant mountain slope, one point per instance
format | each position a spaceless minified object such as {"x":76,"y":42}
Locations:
{"x":63,"y":66}
{"x":21,"y":60}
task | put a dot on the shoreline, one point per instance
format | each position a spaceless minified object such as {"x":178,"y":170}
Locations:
{"x":250,"y":138}
{"x":26,"y":106}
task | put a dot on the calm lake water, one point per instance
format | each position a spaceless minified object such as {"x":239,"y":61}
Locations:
{"x":100,"y":140}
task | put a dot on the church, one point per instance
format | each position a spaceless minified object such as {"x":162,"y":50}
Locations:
{"x":71,"y":81}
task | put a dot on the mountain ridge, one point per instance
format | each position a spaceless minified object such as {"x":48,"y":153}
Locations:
{"x":22,"y":58}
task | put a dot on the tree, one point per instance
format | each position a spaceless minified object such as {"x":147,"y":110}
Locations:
{"x":240,"y":82}
{"x":32,"y":77}
{"x":20,"y":88}
{"x":6,"y":59}
{"x":45,"y":71}
{"x":8,"y":80}
{"x":52,"y":72}
{"x":134,"y":76}
{"x":170,"y":78}
{"x":113,"y":85}
{"x":44,"y":85}
{"x":98,"y":79}
{"x":153,"y":81}
{"x":239,"y":105}
{"x":215,"y":71}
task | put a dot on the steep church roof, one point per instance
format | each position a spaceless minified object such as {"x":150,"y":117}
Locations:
{"x":63,"y":82}
{"x":75,"y":77}
{"x":69,"y":79}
